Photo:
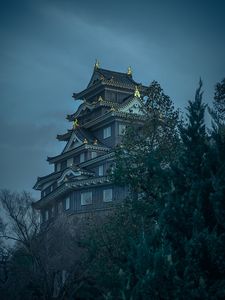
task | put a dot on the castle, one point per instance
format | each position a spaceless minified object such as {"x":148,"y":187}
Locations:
{"x":80,"y":182}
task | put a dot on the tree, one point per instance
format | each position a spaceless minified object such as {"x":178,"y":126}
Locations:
{"x":37,"y":259}
{"x":189,"y":223}
{"x":173,"y":249}
{"x":219,"y":99}
{"x":143,"y":160}
{"x":121,"y":250}
{"x":18,"y":232}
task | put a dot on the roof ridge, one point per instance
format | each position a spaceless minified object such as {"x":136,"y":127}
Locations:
{"x":124,"y":73}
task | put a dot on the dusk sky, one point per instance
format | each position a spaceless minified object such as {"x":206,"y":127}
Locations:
{"x":48,"y":49}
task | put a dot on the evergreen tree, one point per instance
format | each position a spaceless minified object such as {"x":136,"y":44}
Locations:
{"x":189,"y":221}
{"x":169,"y":243}
{"x":123,"y":250}
{"x":143,"y":160}
{"x":219,"y":99}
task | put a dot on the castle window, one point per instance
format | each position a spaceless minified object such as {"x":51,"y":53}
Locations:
{"x":107,"y":132}
{"x":100,"y":170}
{"x":93,"y":154}
{"x":63,"y":165}
{"x":67,"y":203}
{"x":82,"y":157}
{"x":122,"y":128}
{"x":107,"y":195}
{"x":70,"y":162}
{"x":86,"y":198}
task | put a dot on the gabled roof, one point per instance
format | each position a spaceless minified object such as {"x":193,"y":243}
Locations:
{"x":70,"y":153}
{"x":106,"y":75}
{"x":103,"y":77}
{"x":132,"y":105}
{"x":83,"y":133}
{"x":74,"y":172}
{"x":101,"y":102}
{"x":79,"y":135}
{"x":79,"y":132}
{"x":56,"y":175}
{"x":45,"y":179}
{"x":67,"y":186}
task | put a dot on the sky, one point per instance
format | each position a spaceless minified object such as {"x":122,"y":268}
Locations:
{"x":48,"y":49}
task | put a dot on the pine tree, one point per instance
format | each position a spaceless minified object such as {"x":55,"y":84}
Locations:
{"x":189,"y":221}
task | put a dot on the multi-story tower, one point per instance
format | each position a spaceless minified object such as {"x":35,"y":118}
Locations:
{"x":80,"y":181}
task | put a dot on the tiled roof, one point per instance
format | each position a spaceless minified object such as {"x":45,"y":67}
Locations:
{"x":68,"y":154}
{"x":102,"y":77}
{"x":119,"y":77}
{"x":65,"y":136}
{"x":68,"y":186}
{"x":82,"y":134}
{"x":56,"y":175}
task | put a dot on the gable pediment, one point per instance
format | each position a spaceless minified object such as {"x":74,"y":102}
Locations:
{"x":68,"y":174}
{"x":73,"y":143}
{"x":134,"y":106}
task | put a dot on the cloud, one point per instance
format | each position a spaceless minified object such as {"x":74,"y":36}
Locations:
{"x":23,"y":150}
{"x":49,"y":48}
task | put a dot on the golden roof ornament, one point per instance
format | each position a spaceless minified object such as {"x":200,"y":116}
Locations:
{"x":112,"y":108}
{"x":75,"y":124}
{"x":137,"y":92}
{"x":97,"y":64}
{"x":129,"y":71}
{"x":85,"y":141}
{"x":95,"y":142}
{"x":100,"y":99}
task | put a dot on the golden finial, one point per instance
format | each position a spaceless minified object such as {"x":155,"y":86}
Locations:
{"x":137,"y":92}
{"x":97,"y":64}
{"x":75,"y":124}
{"x":100,"y":99}
{"x":85,"y":141}
{"x":129,"y":71}
{"x":95,"y":142}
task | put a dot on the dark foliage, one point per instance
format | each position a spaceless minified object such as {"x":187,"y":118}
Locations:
{"x":167,"y":241}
